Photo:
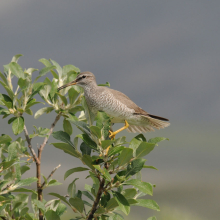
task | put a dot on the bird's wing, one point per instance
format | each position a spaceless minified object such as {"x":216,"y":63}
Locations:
{"x":130,"y":104}
{"x":127,"y":101}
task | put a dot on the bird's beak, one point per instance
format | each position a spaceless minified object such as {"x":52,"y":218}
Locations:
{"x":66,"y":85}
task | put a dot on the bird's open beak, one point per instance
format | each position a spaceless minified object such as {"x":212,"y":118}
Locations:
{"x":66,"y":85}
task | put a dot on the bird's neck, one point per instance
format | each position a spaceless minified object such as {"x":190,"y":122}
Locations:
{"x":90,"y":88}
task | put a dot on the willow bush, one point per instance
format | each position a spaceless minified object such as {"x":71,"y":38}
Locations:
{"x":113,"y":165}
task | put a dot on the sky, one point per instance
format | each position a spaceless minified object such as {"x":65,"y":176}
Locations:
{"x":164,"y":55}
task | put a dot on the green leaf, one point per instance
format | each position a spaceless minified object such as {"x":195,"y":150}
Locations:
{"x":87,"y":194}
{"x":67,"y":127}
{"x":89,"y":115}
{"x":152,"y":218}
{"x":63,"y":136}
{"x":116,"y":217}
{"x":122,"y":202}
{"x":67,"y":149}
{"x":18,"y":125}
{"x":9,"y":91}
{"x":103,"y":121}
{"x":106,"y":143}
{"x":112,"y":204}
{"x":23,"y":83}
{"x":136,"y":141}
{"x":54,"y":183}
{"x":85,"y":149}
{"x":77,"y":203}
{"x":50,"y":214}
{"x":25,"y":182}
{"x":24,"y":211}
{"x":147,"y":203}
{"x":24,"y":169}
{"x":106,"y":84}
{"x":125,"y":156}
{"x":46,"y":69}
{"x":157,"y":140}
{"x":7,"y":164}
{"x":63,"y":98}
{"x":61,"y":209}
{"x":72,"y":188}
{"x":40,"y":205}
{"x":60,"y":197}
{"x":142,"y":186}
{"x":74,"y":170}
{"x":45,"y":62}
{"x":96,"y":131}
{"x":115,"y":150}
{"x":129,"y":193}
{"x":81,"y":125}
{"x":104,"y":172}
{"x":31,"y":103}
{"x":76,"y":109}
{"x":11,"y":120}
{"x":58,"y":67}
{"x":28,"y":111}
{"x":3,"y":78}
{"x":88,"y":141}
{"x":88,"y":161}
{"x":68,"y":68}
{"x":42,"y":111}
{"x":54,"y":74}
{"x":30,"y":70}
{"x":16,"y":70}
{"x":5,"y":139}
{"x":144,"y":149}
{"x":24,"y":190}
{"x":150,"y":167}
{"x":16,"y":57}
{"x":135,"y":166}
{"x":73,"y":94}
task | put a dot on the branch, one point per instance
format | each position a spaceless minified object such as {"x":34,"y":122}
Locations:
{"x":30,"y":146}
{"x":51,"y":174}
{"x":95,"y":204}
{"x":50,"y":132}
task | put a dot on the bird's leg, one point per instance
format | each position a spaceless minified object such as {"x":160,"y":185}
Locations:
{"x":112,"y":134}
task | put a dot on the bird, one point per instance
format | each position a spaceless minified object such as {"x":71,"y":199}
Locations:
{"x":119,"y":107}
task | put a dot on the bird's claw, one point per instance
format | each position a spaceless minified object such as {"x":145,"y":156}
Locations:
{"x":112,"y":135}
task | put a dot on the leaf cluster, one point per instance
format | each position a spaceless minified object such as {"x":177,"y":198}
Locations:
{"x":113,"y":165}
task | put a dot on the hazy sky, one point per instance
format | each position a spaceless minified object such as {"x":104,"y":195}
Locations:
{"x":163,"y":54}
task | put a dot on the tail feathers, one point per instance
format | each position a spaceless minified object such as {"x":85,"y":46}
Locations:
{"x":158,"y":117}
{"x":149,"y":125}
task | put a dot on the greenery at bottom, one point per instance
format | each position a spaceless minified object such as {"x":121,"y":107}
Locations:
{"x":114,"y":166}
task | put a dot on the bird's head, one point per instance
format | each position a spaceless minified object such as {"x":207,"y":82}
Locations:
{"x":82,"y":80}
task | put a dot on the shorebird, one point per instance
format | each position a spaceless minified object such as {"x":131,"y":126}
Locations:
{"x":119,"y":107}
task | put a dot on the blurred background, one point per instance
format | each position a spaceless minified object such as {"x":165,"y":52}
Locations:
{"x":164,"y":55}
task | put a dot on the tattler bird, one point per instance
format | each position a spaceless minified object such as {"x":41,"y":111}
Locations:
{"x":119,"y":107}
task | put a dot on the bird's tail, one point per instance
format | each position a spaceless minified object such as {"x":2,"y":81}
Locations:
{"x":150,"y":122}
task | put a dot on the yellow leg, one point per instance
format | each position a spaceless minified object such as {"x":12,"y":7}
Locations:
{"x":112,"y":134}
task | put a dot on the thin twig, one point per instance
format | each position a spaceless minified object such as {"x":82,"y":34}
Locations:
{"x":50,"y":132}
{"x":30,"y":146}
{"x":51,"y":174}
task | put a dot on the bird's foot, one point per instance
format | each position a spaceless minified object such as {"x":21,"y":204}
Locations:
{"x":112,"y":134}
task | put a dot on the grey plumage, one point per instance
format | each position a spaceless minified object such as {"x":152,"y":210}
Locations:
{"x":117,"y":105}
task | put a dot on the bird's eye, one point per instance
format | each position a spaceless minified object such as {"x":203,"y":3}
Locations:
{"x":83,"y":77}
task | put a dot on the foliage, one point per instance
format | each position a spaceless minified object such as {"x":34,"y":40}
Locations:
{"x":113,"y":165}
